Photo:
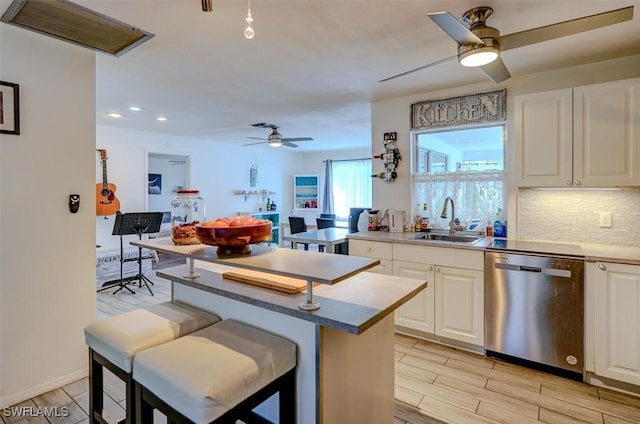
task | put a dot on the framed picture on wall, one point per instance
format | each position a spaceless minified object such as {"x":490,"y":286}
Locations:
{"x":9,"y":108}
{"x":155,"y":184}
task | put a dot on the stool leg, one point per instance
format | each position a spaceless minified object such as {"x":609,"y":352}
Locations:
{"x":130,"y":393}
{"x":287,"y":398}
{"x":95,"y":388}
{"x":144,"y":411}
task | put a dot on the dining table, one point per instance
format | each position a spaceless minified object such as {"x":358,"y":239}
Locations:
{"x":326,"y":237}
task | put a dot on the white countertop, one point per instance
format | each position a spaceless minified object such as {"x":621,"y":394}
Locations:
{"x":627,"y":254}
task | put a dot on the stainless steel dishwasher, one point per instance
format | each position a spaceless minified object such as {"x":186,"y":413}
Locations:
{"x":534,"y":308}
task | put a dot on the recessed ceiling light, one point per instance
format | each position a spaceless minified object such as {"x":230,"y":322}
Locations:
{"x":114,"y":115}
{"x":161,"y":118}
{"x":135,"y":108}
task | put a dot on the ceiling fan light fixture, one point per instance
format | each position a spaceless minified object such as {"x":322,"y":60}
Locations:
{"x":275,"y":139}
{"x":478,"y":56}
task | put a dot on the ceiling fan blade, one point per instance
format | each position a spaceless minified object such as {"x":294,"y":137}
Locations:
{"x":456,"y":29}
{"x":251,"y":144}
{"x":258,"y":138}
{"x":264,"y":125}
{"x":286,"y":143}
{"x":496,"y":71}
{"x":562,"y":29}
{"x":287,"y":139}
{"x":419,"y":68}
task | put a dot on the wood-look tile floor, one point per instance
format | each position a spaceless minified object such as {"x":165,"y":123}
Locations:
{"x":434,"y":384}
{"x":460,"y":387}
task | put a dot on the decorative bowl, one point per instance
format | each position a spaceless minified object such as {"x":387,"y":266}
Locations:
{"x":234,"y":240}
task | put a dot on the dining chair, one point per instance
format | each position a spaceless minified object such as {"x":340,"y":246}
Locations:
{"x":324,"y":223}
{"x":297,"y":225}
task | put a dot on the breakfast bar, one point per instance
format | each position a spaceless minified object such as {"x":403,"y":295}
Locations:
{"x":345,"y":369}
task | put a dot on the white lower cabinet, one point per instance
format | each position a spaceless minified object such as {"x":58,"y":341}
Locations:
{"x":452,"y":305}
{"x":375,"y":250}
{"x":417,"y":313}
{"x":616,"y":303}
{"x":459,"y":304}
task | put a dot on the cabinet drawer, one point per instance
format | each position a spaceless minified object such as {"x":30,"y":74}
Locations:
{"x":370,"y":249}
{"x":445,"y":256}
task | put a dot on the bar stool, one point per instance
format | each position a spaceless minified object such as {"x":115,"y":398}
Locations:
{"x":216,"y":375}
{"x":113,"y":342}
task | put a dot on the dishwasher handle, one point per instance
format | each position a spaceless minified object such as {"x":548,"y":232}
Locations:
{"x":547,"y":271}
{"x":514,"y":267}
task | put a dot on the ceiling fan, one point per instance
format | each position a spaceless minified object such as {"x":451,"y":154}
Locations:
{"x":480,"y":45}
{"x":275,"y":139}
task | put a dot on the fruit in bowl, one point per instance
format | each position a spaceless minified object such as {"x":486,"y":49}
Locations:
{"x":234,"y":235}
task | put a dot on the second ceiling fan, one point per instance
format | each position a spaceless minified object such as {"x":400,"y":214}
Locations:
{"x":480,"y":45}
{"x":275,"y":139}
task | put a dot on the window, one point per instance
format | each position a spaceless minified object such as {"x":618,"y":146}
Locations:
{"x":351,"y":185}
{"x":466,"y":164}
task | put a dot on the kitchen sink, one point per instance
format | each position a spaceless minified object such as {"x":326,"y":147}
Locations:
{"x":447,"y":238}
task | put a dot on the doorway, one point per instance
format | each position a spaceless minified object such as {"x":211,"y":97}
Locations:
{"x":167,"y":173}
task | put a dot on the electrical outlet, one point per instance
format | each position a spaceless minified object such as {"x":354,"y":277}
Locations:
{"x":605,"y":219}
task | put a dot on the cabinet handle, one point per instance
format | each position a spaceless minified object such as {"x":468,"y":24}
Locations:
{"x":602,"y":267}
{"x":578,"y":182}
{"x":437,"y":269}
{"x":430,"y":268}
{"x":567,"y":182}
{"x":368,"y":249}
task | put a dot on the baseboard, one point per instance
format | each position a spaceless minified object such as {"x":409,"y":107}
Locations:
{"x":16,"y":398}
{"x":618,"y":386}
{"x":441,"y":340}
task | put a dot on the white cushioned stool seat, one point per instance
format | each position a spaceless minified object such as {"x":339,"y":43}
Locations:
{"x":113,"y":342}
{"x":205,"y":374}
{"x":120,"y":337}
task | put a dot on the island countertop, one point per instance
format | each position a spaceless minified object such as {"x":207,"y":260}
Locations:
{"x":326,"y":269}
{"x":353,"y":305}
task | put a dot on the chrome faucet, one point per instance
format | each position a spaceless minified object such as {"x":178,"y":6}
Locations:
{"x":452,"y":224}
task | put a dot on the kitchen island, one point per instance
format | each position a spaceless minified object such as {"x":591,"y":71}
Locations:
{"x":345,"y":370}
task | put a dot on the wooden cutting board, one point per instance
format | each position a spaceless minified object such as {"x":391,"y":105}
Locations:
{"x":264,"y":279}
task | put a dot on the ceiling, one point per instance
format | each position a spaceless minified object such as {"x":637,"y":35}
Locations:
{"x":314,"y":65}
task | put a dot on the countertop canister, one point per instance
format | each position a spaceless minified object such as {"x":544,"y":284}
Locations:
{"x":187,"y":210}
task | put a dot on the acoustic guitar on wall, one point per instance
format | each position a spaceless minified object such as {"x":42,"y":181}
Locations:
{"x":106,"y":201}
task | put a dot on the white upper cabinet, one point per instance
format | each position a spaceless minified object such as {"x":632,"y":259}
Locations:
{"x":583,"y":137}
{"x":544,"y":138}
{"x":606,"y":133}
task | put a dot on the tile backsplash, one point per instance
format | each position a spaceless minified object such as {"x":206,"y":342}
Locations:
{"x":574,"y":215}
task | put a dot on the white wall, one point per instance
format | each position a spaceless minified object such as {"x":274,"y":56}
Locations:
{"x":391,"y":115}
{"x":313,"y":163}
{"x":47,"y":257}
{"x":216,"y":170}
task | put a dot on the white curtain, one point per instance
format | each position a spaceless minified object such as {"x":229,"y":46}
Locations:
{"x":351,"y":186}
{"x":477,"y":196}
{"x":327,"y":193}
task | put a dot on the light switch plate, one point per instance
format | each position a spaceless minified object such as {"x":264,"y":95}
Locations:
{"x":605,"y":219}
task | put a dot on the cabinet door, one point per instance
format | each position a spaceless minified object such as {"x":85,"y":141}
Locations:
{"x":373,"y":249}
{"x":417,"y":313}
{"x":617,"y":322}
{"x":607,"y":134}
{"x":459,"y":304}
{"x":543,"y":126}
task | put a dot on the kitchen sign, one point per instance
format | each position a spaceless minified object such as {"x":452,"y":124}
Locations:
{"x":465,"y":110}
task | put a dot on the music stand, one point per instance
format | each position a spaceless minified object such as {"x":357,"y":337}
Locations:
{"x":133,"y":223}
